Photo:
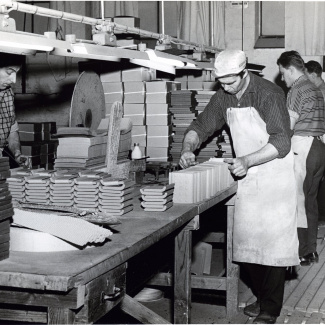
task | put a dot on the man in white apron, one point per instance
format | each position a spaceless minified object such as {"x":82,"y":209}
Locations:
{"x":305,"y":104}
{"x":264,"y":235}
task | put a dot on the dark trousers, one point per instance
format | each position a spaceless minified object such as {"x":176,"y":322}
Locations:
{"x":267,"y":285}
{"x":315,"y":165}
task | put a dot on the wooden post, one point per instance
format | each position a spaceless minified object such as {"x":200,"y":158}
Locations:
{"x":118,"y":170}
{"x":182,"y":273}
{"x":232,"y":275}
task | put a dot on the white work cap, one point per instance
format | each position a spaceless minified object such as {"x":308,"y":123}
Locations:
{"x":229,"y":62}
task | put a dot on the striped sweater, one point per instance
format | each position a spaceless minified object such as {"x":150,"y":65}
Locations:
{"x":306,"y":102}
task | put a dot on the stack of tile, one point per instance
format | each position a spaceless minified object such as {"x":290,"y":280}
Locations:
{"x":200,"y":182}
{"x":208,"y":149}
{"x":37,"y":143}
{"x":225,"y":145}
{"x":37,"y":189}
{"x":183,"y":112}
{"x":116,"y":196}
{"x":6,"y":208}
{"x":202,"y":98}
{"x":16,"y":185}
{"x":158,"y":117}
{"x":134,"y":83}
{"x":62,"y":189}
{"x":157,"y":198}
{"x":86,"y":192}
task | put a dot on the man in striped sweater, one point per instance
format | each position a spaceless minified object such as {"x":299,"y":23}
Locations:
{"x":305,"y":104}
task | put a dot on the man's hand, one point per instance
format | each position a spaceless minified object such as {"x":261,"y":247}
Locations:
{"x":187,"y":159}
{"x":237,"y":166}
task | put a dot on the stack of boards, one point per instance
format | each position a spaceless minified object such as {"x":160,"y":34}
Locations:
{"x":157,"y":198}
{"x":200,"y":182}
{"x":83,"y":189}
{"x":116,"y":196}
{"x":6,"y":208}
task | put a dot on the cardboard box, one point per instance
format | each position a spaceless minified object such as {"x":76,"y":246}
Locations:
{"x":134,"y":92}
{"x":157,"y":108}
{"x":159,"y":142}
{"x":127,"y":21}
{"x":130,"y":109}
{"x":139,"y":130}
{"x":159,"y":130}
{"x":157,"y":154}
{"x":111,"y":76}
{"x":195,"y":85}
{"x":161,"y":86}
{"x":137,"y":119}
{"x":158,"y":119}
{"x":137,"y":74}
{"x":141,"y":139}
{"x":210,"y":85}
{"x":31,"y":150}
{"x":163,"y":98}
{"x":112,"y":87}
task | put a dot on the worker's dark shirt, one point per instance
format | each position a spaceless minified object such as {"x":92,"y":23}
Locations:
{"x":7,"y":115}
{"x":269,"y":101}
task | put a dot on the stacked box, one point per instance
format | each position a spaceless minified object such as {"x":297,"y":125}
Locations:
{"x":6,"y":208}
{"x":183,"y":113}
{"x":62,"y":189}
{"x":37,"y":189}
{"x":158,"y":119}
{"x":37,"y":144}
{"x":86,"y":192}
{"x":126,"y":39}
{"x":112,"y":87}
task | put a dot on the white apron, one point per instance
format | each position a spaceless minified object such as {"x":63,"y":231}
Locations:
{"x":301,"y":147}
{"x":265,"y":220}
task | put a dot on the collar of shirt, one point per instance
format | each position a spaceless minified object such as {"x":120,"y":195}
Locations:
{"x":300,"y":79}
{"x":251,"y":88}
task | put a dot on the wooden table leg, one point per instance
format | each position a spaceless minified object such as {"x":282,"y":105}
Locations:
{"x":182,"y":273}
{"x":232,"y":275}
{"x":60,"y":316}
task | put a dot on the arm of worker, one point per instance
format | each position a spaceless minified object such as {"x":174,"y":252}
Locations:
{"x":190,"y":144}
{"x":293,"y":118}
{"x":206,"y":123}
{"x":14,"y":143}
{"x":239,"y":166}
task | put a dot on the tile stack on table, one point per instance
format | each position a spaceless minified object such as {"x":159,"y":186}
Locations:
{"x":37,"y":143}
{"x":116,"y":196}
{"x":37,"y":189}
{"x":157,"y":198}
{"x":80,"y":151}
{"x":158,"y":117}
{"x":134,"y":83}
{"x":183,"y":113}
{"x":62,"y":190}
{"x":200,"y":182}
{"x":86,"y":192}
{"x":6,"y":208}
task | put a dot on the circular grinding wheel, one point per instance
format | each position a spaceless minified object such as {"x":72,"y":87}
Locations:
{"x":88,"y":101}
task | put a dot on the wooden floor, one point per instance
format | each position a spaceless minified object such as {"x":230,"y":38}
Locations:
{"x":304,"y":295}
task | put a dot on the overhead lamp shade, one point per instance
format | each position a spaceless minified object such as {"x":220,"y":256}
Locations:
{"x":166,"y":61}
{"x":154,"y":65}
{"x":23,"y":48}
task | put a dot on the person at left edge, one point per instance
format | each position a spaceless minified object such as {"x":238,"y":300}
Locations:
{"x":265,"y":239}
{"x":9,"y":135}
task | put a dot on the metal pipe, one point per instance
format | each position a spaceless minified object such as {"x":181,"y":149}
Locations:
{"x":31,"y":9}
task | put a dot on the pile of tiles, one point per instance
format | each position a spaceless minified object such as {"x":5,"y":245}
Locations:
{"x":6,"y":208}
{"x":116,"y":196}
{"x":200,"y":182}
{"x":157,"y":198}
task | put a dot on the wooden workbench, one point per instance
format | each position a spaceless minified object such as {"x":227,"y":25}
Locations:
{"x":82,"y":286}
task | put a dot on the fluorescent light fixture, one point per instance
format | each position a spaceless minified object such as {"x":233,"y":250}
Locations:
{"x":26,"y":46}
{"x":154,"y":65}
{"x":173,"y":62}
